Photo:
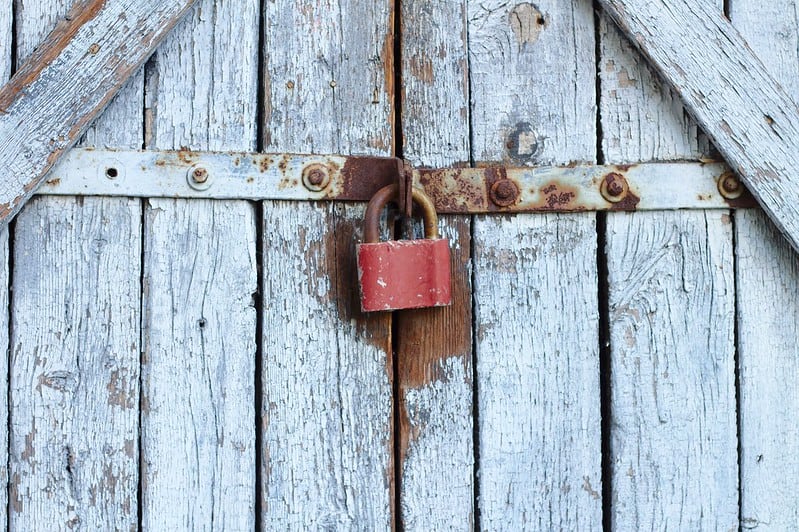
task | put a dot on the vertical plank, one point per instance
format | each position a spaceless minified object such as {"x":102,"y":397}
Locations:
{"x":768,"y":310}
{"x":6,"y":37}
{"x":198,"y":370}
{"x":434,"y":346}
{"x":533,"y":96}
{"x":327,"y":408}
{"x":671,"y":303}
{"x":74,"y":382}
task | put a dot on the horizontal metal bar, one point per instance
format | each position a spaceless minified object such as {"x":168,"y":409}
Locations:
{"x":185,"y":174}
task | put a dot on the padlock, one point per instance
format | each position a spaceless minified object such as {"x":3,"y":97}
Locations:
{"x":403,"y":274}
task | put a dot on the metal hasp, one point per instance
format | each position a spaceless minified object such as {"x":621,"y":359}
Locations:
{"x":403,"y":274}
{"x":254,"y":176}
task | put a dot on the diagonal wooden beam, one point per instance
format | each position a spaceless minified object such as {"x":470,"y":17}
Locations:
{"x":751,"y":119}
{"x":68,"y":81}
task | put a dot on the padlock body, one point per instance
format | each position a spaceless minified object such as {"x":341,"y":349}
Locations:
{"x":404,"y":274}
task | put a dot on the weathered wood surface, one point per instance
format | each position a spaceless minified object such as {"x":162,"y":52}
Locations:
{"x":768,"y":310}
{"x":434,"y":346}
{"x":6,"y":43}
{"x":69,"y":80}
{"x":750,"y":118}
{"x":327,"y":458}
{"x":535,"y":292}
{"x":200,"y":284}
{"x":672,"y":406}
{"x":75,"y":344}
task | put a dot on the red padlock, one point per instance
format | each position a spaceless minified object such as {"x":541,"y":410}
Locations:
{"x":403,"y":274}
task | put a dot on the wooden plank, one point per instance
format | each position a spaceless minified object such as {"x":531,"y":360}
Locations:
{"x":327,"y":405}
{"x":671,"y":293}
{"x":750,"y":118}
{"x":768,"y":310}
{"x":68,"y":81}
{"x":535,"y":277}
{"x":6,"y":40}
{"x":76,"y":344}
{"x":198,"y":372}
{"x":434,"y":346}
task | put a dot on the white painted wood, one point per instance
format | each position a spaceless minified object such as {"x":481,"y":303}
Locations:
{"x":78,"y":358}
{"x":434,"y":346}
{"x":672,"y":383}
{"x":74,"y":365}
{"x":327,"y":399}
{"x":538,"y":374}
{"x":198,"y":371}
{"x":768,"y":310}
{"x":748,"y":115}
{"x":164,"y":174}
{"x":6,"y":37}
{"x":673,"y":412}
{"x":327,"y":459}
{"x":69,"y":80}
{"x":535,"y":276}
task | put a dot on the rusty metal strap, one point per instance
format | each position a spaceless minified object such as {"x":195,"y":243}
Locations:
{"x":185,"y":174}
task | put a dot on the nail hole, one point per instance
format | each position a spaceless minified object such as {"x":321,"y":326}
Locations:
{"x":202,"y":323}
{"x":111,"y":173}
{"x":540,"y":20}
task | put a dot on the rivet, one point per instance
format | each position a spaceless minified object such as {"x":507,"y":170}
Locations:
{"x":199,"y":178}
{"x":614,"y":187}
{"x":315,"y":177}
{"x":730,"y":187}
{"x":504,"y":192}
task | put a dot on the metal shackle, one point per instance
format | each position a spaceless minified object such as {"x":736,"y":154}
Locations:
{"x":391,"y":192}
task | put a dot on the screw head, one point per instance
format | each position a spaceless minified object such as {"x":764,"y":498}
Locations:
{"x":614,"y":187}
{"x":316,"y":177}
{"x":504,"y":192}
{"x":199,"y":178}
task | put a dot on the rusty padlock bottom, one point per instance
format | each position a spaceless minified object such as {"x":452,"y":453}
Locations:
{"x":404,"y":274}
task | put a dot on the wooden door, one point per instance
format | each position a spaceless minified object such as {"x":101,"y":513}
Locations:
{"x":198,"y":364}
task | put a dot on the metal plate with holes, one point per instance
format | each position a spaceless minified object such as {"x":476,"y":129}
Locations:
{"x":185,"y":174}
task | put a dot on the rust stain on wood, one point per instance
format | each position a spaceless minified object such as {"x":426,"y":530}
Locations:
{"x":341,"y":267}
{"x":80,"y":13}
{"x":426,"y":338}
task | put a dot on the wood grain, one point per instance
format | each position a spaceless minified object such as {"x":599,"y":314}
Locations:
{"x":198,"y":372}
{"x":671,"y":327}
{"x":6,"y":40}
{"x":767,"y":275}
{"x":535,"y":277}
{"x":69,"y":80}
{"x":327,"y":369}
{"x":81,"y":466}
{"x":750,"y":118}
{"x":434,"y":346}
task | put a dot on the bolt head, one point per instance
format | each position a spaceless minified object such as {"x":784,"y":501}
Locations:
{"x":199,"y":175}
{"x":614,"y":187}
{"x":315,"y":177}
{"x":730,"y":186}
{"x":199,"y":178}
{"x":504,"y":193}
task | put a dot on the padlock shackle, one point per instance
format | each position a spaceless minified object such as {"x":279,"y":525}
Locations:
{"x":386,"y":194}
